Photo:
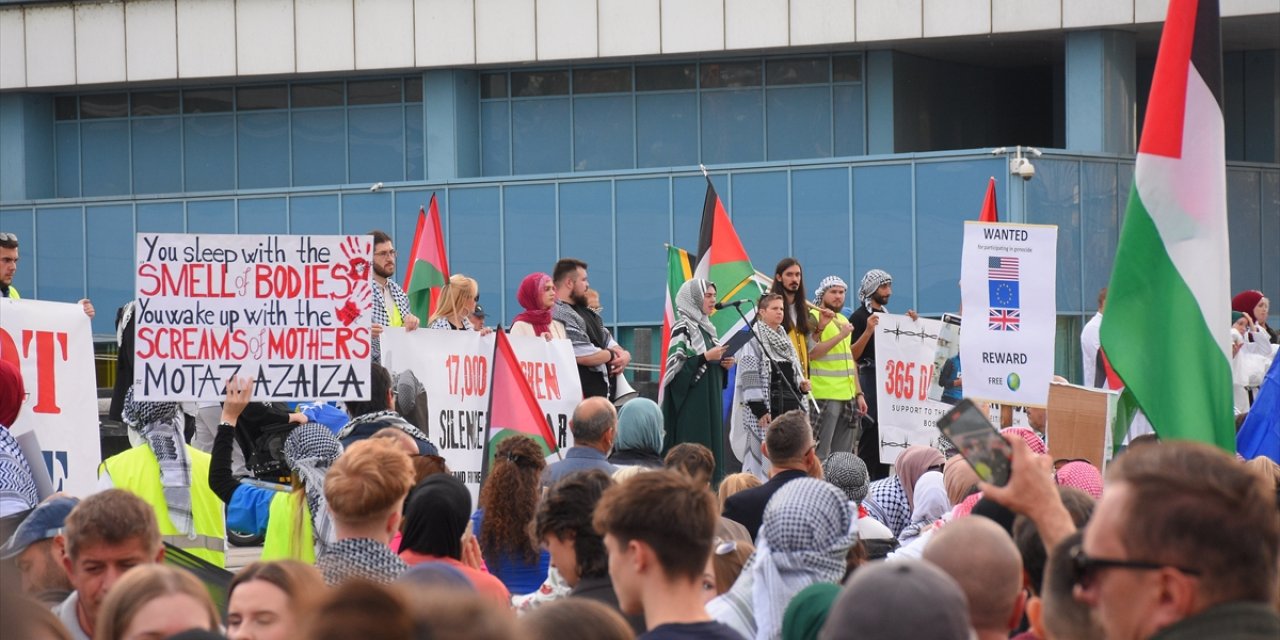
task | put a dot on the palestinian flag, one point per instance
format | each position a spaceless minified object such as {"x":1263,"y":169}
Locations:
{"x":989,"y":213}
{"x":428,"y":264}
{"x":513,"y":409}
{"x":679,"y":271}
{"x":1173,"y":253}
{"x":723,"y":261}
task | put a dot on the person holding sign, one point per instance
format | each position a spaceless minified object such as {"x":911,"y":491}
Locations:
{"x":458,"y":299}
{"x":390,"y":304}
{"x":769,"y":381}
{"x":874,"y":292}
{"x":537,"y":294}
{"x":9,"y":267}
{"x":692,"y":402}
{"x":831,"y":368}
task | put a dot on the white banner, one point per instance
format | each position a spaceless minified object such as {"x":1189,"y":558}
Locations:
{"x":905,"y":351}
{"x":290,"y":312}
{"x":1008,"y":282}
{"x":455,"y":367}
{"x":53,"y":345}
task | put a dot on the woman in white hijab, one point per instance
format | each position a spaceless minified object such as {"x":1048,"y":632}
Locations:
{"x":693,"y":384}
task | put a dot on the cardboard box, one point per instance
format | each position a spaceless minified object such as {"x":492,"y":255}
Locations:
{"x":1079,"y":424}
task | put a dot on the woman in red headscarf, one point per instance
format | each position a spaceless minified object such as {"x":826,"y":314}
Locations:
{"x":1257,"y":307}
{"x":17,"y":485}
{"x":537,"y":294}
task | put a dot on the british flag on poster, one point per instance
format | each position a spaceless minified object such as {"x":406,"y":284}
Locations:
{"x":1002,"y":293}
{"x":1004,"y":319}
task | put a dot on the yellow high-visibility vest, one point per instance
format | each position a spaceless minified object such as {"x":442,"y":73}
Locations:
{"x":834,"y":376}
{"x":280,"y":542}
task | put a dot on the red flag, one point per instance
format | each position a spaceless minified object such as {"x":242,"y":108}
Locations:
{"x":513,"y":409}
{"x":428,"y":265}
{"x":989,"y":204}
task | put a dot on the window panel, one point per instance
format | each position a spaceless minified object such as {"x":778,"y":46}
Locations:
{"x":1099,"y":210}
{"x":211,"y":216}
{"x":797,"y":71}
{"x":1270,"y":239}
{"x":644,"y":222}
{"x":262,"y":97}
{"x":319,"y":149}
{"x":850,"y":120}
{"x":313,"y":215}
{"x":160,"y":217}
{"x":65,"y":108}
{"x":58,"y":254}
{"x":882,"y":233}
{"x":820,"y":220}
{"x":689,"y":194}
{"x":104,"y":105}
{"x":667,"y":77}
{"x":376,"y":138}
{"x":207,"y":100}
{"x":528,"y":84}
{"x":157,"y":155}
{"x":209,"y":152}
{"x":414,"y":149}
{"x":799,"y":123}
{"x":110,"y":260}
{"x":540,"y":134}
{"x":155,"y":103}
{"x":730,"y":75}
{"x":327,"y":94}
{"x":846,"y":69}
{"x":586,"y":233}
{"x":495,"y":136}
{"x":529,"y":230}
{"x":413,"y":89}
{"x":616,"y":80}
{"x":759,"y":214}
{"x":603,"y":133}
{"x":1054,"y":198}
{"x":732,"y":126}
{"x":407,"y":204}
{"x":263,"y":149}
{"x":105,"y":159}
{"x":263,"y":215}
{"x":21,"y":222}
{"x":667,"y":129}
{"x":385,"y":91}
{"x":67,"y":136}
{"x":493,"y":85}
{"x":364,"y":212}
{"x":472,"y":249}
{"x":1244,"y":226}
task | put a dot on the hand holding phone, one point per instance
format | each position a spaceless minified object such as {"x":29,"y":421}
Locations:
{"x":978,"y":441}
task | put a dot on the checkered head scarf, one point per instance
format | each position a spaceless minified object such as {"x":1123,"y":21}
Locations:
{"x":1081,"y":475}
{"x":874,"y":279}
{"x":310,"y":450}
{"x":848,"y":472}
{"x":827,"y":283}
{"x":160,"y":424}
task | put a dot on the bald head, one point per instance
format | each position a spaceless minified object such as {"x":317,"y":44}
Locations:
{"x":593,"y":422}
{"x":979,"y":555}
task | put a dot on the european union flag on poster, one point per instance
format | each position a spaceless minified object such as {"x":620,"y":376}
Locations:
{"x":1002,"y":282}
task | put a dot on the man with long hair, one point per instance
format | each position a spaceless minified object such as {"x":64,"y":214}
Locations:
{"x":788,"y":282}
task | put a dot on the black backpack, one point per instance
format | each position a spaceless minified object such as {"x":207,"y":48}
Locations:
{"x":261,"y":432}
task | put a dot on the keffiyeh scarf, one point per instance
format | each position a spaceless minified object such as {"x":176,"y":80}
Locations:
{"x":378,"y":416}
{"x":827,"y":283}
{"x":359,"y":558}
{"x":874,"y":279}
{"x":1081,"y":475}
{"x":16,"y":480}
{"x":687,"y":340}
{"x":379,"y":309}
{"x":310,"y":450}
{"x":160,"y":424}
{"x":887,"y":502}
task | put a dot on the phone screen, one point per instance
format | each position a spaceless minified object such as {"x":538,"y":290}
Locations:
{"x":978,"y":441}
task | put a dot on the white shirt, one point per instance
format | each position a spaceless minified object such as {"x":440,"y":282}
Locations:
{"x":1090,"y":342}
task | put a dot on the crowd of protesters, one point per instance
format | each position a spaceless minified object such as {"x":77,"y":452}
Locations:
{"x":638,"y":530}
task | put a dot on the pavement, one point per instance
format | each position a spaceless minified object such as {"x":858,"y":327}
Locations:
{"x":238,"y":557}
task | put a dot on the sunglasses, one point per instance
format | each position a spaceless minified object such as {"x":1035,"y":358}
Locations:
{"x":1084,"y":569}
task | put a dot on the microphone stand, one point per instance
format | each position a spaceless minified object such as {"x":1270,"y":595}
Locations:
{"x":791,"y":384}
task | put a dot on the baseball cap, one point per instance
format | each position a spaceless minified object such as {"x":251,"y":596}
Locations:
{"x":909,"y":600}
{"x":44,"y":522}
{"x":479,"y":312}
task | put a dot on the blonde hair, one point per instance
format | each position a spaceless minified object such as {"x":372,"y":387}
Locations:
{"x":628,"y":472}
{"x":300,"y":581}
{"x":734,"y":483}
{"x":141,"y":585}
{"x":368,"y":481}
{"x":455,"y":292}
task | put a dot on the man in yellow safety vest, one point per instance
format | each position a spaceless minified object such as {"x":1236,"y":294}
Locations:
{"x":832,"y":372}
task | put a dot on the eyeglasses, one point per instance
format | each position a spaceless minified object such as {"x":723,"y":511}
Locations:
{"x":389,"y":253}
{"x":1084,"y":569}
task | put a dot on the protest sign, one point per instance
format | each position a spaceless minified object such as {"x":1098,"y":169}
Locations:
{"x":52,"y":344}
{"x":905,"y":351}
{"x":1007,"y":282}
{"x":455,"y":367}
{"x":289,"y":312}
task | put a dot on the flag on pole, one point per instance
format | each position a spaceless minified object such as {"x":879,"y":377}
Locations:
{"x":428,"y":264}
{"x":989,"y":204}
{"x":513,"y":409}
{"x":679,"y":271}
{"x":723,"y":261}
{"x":1173,"y":251}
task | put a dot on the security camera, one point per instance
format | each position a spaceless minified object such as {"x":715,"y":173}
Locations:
{"x":1022,"y":168}
{"x":376,"y":188}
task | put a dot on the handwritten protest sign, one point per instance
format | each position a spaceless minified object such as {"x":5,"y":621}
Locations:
{"x":454,"y":368}
{"x":905,"y":352}
{"x":52,"y":344}
{"x":289,"y":312}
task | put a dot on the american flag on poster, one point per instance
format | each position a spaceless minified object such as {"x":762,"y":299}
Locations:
{"x":1002,"y":288}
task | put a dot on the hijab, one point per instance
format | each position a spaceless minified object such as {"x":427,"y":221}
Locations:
{"x":808,"y":611}
{"x":687,"y":338}
{"x":931,"y":500}
{"x":310,"y":450}
{"x":912,"y":464}
{"x":437,"y":515}
{"x":529,"y":295}
{"x":12,"y":394}
{"x":161,"y":425}
{"x":1246,"y":302}
{"x":640,"y":427}
{"x":960,"y":478}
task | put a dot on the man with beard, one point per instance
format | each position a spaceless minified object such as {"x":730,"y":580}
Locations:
{"x":390,"y":304}
{"x":788,"y":282}
{"x":600,"y":358}
{"x":874,"y":293}
{"x":832,"y":372}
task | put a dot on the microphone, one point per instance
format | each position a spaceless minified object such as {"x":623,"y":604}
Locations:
{"x":726,"y":305}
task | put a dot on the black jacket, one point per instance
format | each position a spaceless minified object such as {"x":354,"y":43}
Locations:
{"x":747,"y":507}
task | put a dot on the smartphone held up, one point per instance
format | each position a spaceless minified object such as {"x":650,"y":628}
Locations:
{"x":978,"y":441}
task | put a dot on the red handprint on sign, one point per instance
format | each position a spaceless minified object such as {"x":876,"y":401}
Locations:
{"x":355,"y":305}
{"x":355,"y":249}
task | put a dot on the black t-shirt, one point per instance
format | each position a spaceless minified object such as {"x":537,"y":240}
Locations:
{"x":697,"y":630}
{"x":859,"y":321}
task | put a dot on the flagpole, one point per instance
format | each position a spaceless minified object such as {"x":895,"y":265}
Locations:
{"x":488,"y":417}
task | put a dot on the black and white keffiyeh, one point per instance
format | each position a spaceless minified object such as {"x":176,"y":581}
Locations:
{"x":379,"y":309}
{"x":804,"y":539}
{"x":687,"y":339}
{"x":848,"y":472}
{"x":359,"y":558}
{"x":755,"y":371}
{"x":874,"y":279}
{"x":17,"y":483}
{"x":393,"y":418}
{"x":160,"y":424}
{"x":310,"y":450}
{"x":887,"y":502}
{"x":827,"y":283}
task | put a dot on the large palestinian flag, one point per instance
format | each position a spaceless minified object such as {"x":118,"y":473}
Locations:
{"x":723,"y":261}
{"x":513,"y":409}
{"x":428,"y":264}
{"x":1168,"y":306}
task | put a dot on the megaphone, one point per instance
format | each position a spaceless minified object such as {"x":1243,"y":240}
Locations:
{"x":622,"y":391}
